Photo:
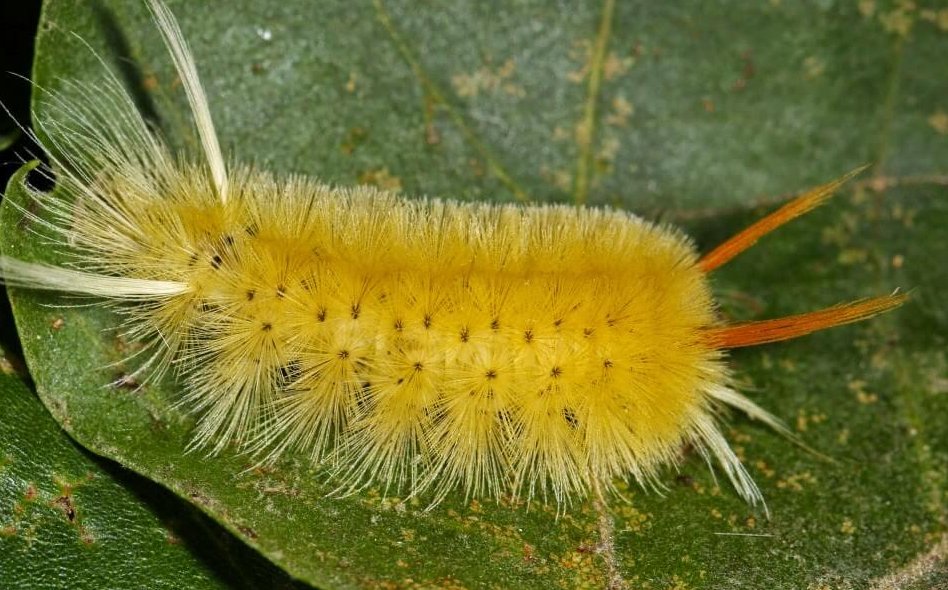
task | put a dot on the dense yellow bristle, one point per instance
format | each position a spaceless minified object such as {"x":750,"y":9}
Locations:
{"x":424,"y":343}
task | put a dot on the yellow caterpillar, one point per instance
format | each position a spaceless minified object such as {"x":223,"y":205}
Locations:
{"x":422,"y":344}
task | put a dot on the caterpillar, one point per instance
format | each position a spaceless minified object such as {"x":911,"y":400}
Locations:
{"x":421,"y":344}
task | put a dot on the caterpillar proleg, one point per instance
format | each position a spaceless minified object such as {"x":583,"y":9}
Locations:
{"x":421,"y":344}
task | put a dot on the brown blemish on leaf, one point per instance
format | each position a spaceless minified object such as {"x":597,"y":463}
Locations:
{"x":432,"y":134}
{"x":622,"y":110}
{"x":200,"y":499}
{"x":247,"y":531}
{"x":354,"y":138}
{"x":381,"y":178}
{"x":488,"y":79}
{"x":748,"y":71}
{"x":804,"y":419}
{"x":614,"y":66}
{"x":66,"y":505}
{"x":150,"y":83}
{"x":58,"y":324}
{"x":765,"y":469}
{"x":796,"y":481}
{"x":125,"y":348}
{"x":858,"y":387}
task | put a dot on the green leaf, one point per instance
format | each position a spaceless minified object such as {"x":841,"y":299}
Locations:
{"x":71,"y":520}
{"x":698,"y":108}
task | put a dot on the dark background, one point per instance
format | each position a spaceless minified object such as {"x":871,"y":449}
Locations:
{"x":18,"y":21}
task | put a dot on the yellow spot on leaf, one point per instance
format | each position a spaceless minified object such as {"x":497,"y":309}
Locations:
{"x":851,"y":256}
{"x":813,"y":67}
{"x":843,"y":436}
{"x":898,"y":22}
{"x":796,"y":482}
{"x":488,"y":79}
{"x":867,"y":8}
{"x":939,"y":18}
{"x":858,"y":387}
{"x":804,"y":420}
{"x":622,"y":109}
{"x":847,"y":528}
{"x":939,"y":122}
{"x":381,"y":178}
{"x":615,"y":66}
{"x":764,"y":468}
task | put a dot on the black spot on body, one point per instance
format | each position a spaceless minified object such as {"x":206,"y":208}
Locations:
{"x":251,"y":294}
{"x":495,"y":324}
{"x":528,"y":336}
{"x":491,"y":374}
{"x":216,"y":261}
{"x":267,"y":326}
{"x":355,"y":310}
{"x":556,"y":372}
{"x":465,"y":334}
{"x":321,"y":315}
{"x":570,"y":416}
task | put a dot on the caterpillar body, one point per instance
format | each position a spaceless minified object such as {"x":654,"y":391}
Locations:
{"x":428,"y":345}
